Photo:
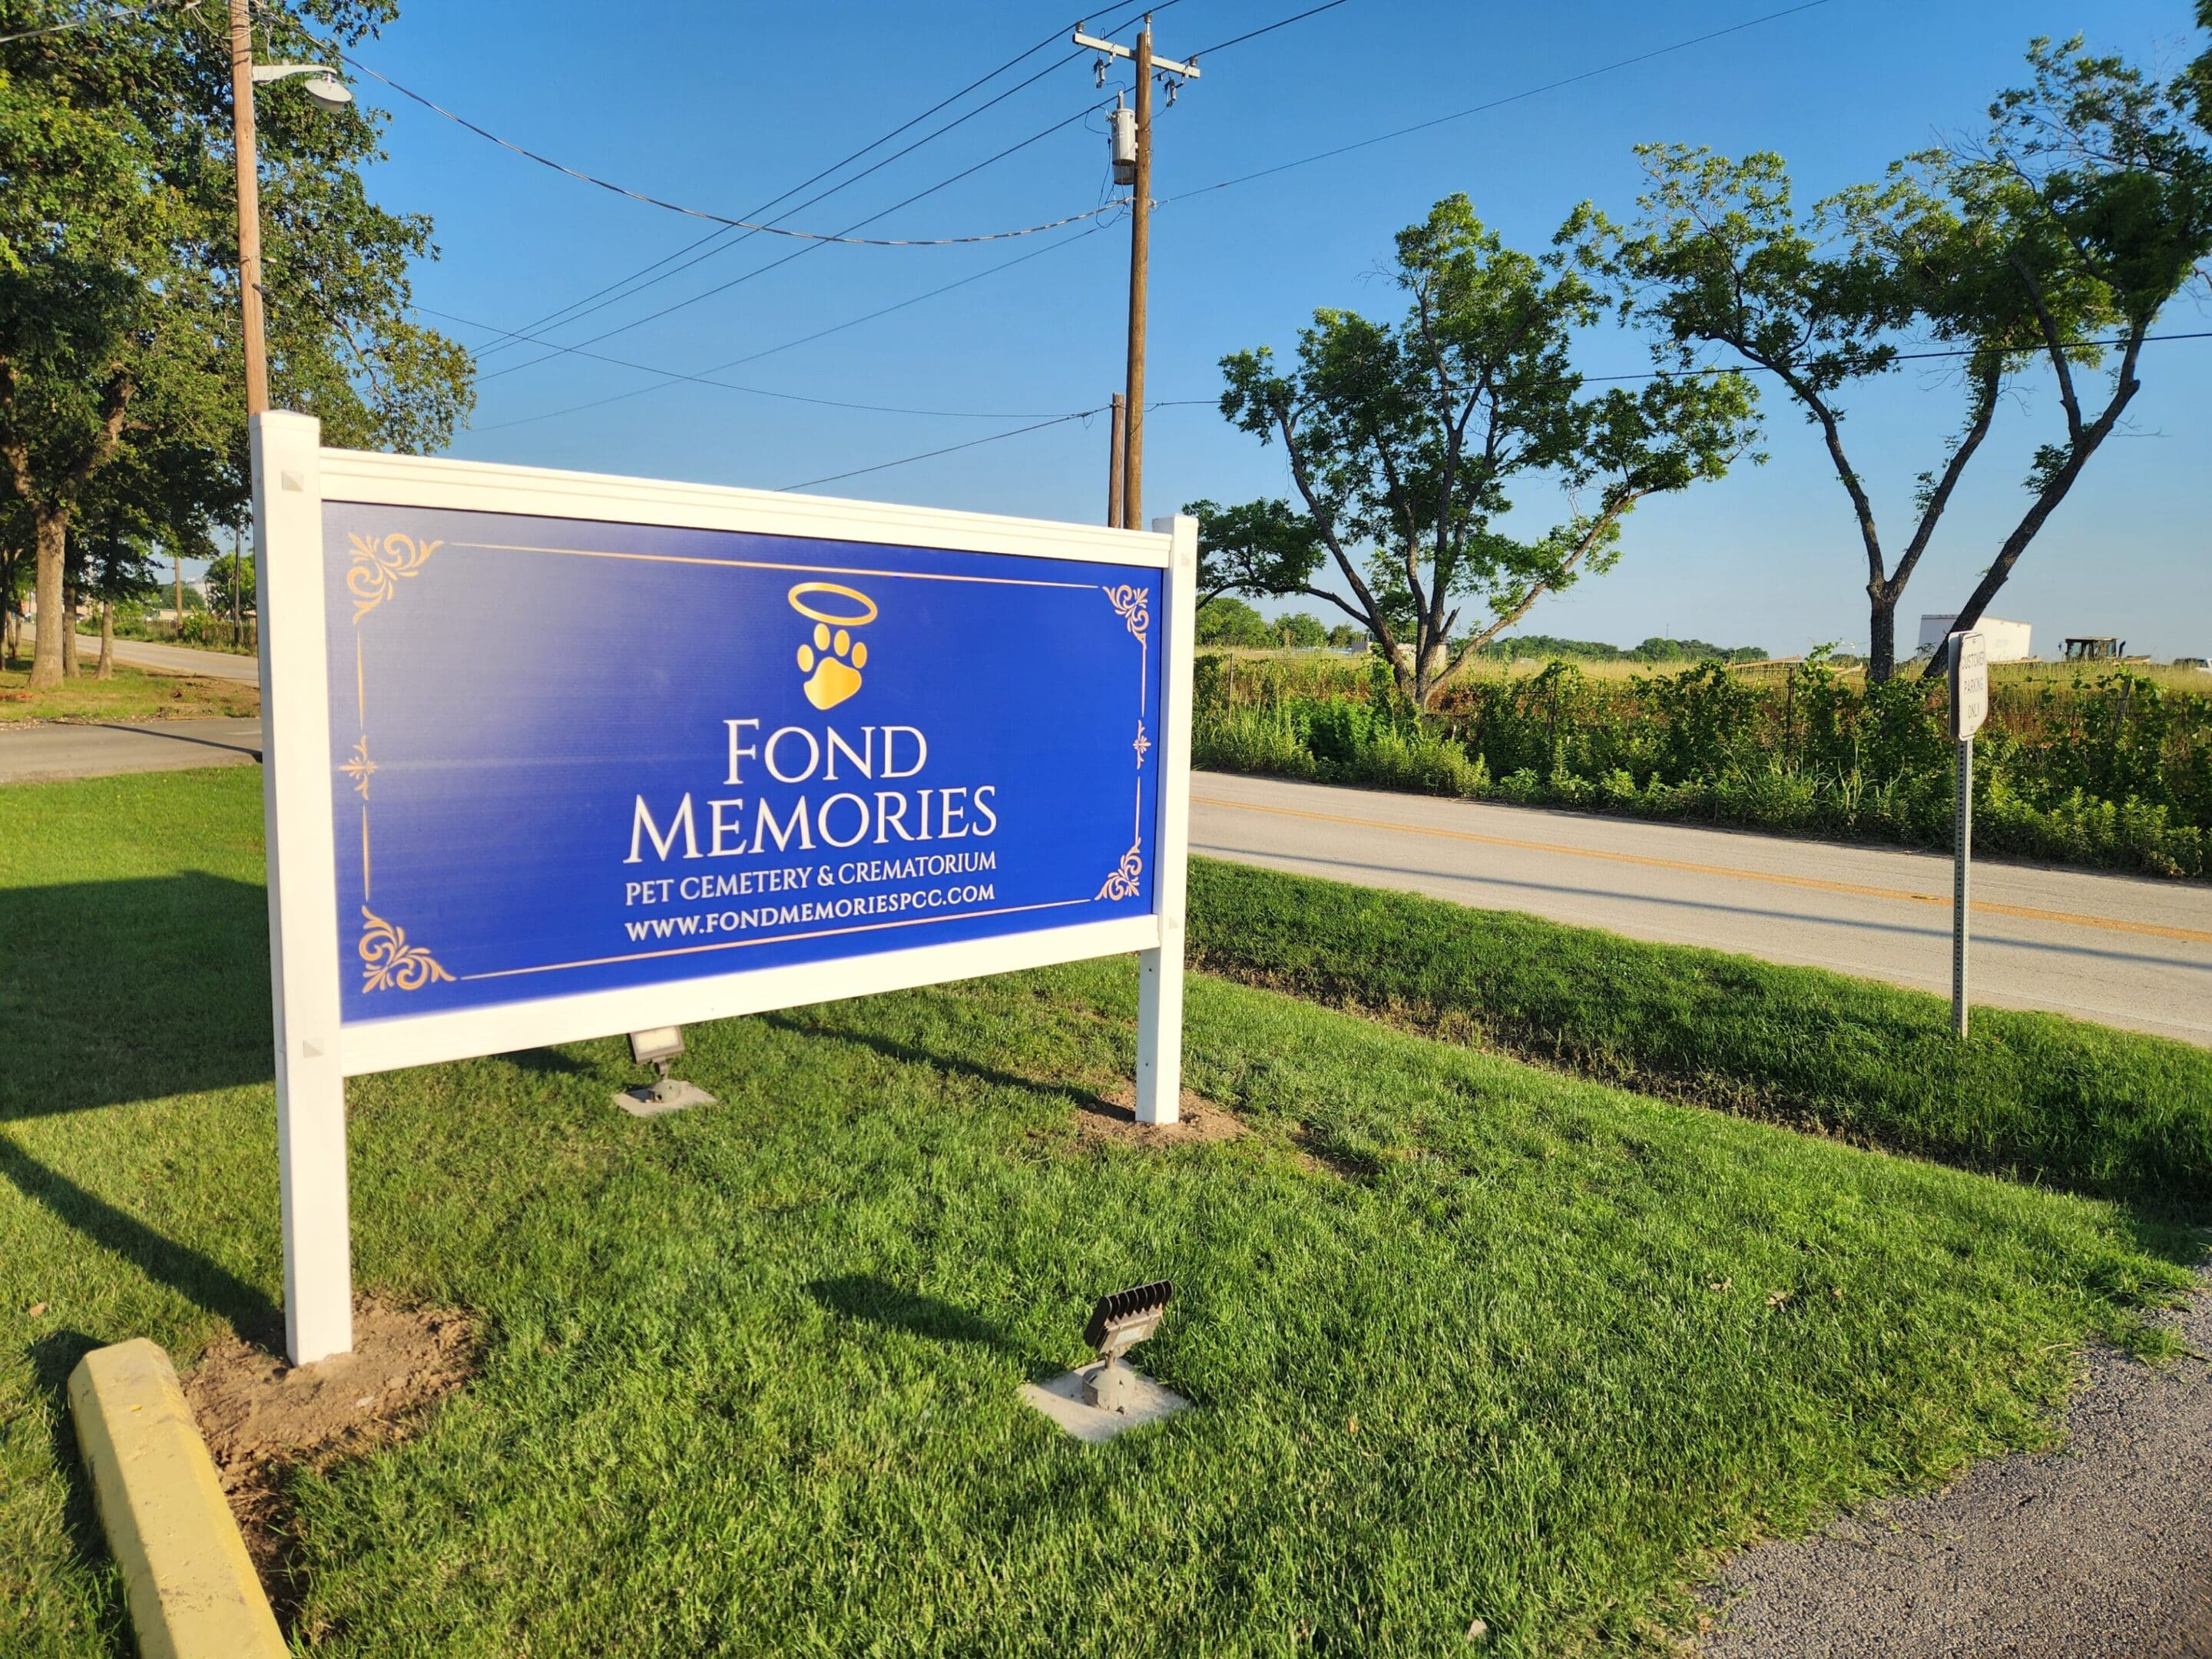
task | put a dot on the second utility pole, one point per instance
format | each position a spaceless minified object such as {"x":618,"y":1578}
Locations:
{"x":1140,"y":247}
{"x":1140,"y":250}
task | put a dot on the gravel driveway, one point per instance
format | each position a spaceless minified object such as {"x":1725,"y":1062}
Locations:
{"x":2100,"y":1550}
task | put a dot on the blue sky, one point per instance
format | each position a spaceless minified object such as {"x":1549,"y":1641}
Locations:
{"x":726,"y":107}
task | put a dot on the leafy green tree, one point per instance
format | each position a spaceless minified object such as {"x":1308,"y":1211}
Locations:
{"x":1259,"y":547}
{"x":2196,"y":80}
{"x":1719,"y":254}
{"x":119,"y":295}
{"x":230,"y":585}
{"x":1407,"y":443}
{"x":1300,"y":629}
{"x":2097,"y":201}
{"x":2084,"y":213}
{"x":115,"y":551}
{"x":1232,"y":622}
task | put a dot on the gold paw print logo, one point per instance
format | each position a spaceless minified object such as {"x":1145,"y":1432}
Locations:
{"x":833,"y":659}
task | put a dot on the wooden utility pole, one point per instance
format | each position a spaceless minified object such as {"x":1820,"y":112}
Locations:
{"x":1140,"y":253}
{"x":249,"y":212}
{"x":1116,"y":447}
{"x":1132,"y":512}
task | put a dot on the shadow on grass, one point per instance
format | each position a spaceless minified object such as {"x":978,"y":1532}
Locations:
{"x":53,"y":1357}
{"x":199,"y":1280}
{"x":906,"y":1053}
{"x":134,"y":989}
{"x":879,"y":1302}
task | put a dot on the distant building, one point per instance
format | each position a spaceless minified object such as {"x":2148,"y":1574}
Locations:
{"x":2008,"y":641}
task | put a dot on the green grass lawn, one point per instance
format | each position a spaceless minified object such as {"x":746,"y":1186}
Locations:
{"x":1467,"y":1339}
{"x":133,"y":695}
{"x":2031,"y":1096}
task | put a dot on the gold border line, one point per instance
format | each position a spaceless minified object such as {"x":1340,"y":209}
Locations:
{"x":777,"y":939}
{"x":2149,"y":929}
{"x":762,"y":564}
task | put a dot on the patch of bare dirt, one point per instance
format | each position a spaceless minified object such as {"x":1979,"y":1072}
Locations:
{"x":262,"y":1416}
{"x":1114,"y":1118}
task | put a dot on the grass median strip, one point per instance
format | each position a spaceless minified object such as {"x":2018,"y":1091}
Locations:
{"x":2030,"y":1096}
{"x":1467,"y":1339}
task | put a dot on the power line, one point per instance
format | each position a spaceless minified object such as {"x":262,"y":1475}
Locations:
{"x":724,"y":220}
{"x":114,"y":14}
{"x":1495,"y":103}
{"x":570,"y":312}
{"x":804,"y":339}
{"x":1895,"y":357}
{"x":1680,"y":46}
{"x":564,"y":314}
{"x":1254,"y":34}
{"x":927,"y":455}
{"x":761,"y":271}
{"x":728,"y":385}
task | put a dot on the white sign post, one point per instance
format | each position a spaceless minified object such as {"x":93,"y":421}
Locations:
{"x":1970,"y":706}
{"x":480,"y":841}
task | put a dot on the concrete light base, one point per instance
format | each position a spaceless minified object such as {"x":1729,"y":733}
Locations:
{"x":1062,"y":1400}
{"x":651,"y":1100}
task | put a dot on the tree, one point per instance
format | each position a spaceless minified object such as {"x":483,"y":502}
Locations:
{"x":2084,"y":214}
{"x":1232,"y":622}
{"x":2197,"y":79}
{"x":230,"y":585}
{"x":1719,"y":255}
{"x":117,"y":555}
{"x":119,"y":297}
{"x":1300,"y":629}
{"x":2097,"y":202}
{"x":1260,"y":547}
{"x":1407,"y":442}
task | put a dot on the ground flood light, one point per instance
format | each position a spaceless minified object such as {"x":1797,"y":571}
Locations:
{"x":1118,"y":1323}
{"x":656,"y":1048}
{"x":1109,"y":1396}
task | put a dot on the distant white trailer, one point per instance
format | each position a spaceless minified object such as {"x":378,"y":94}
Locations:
{"x":2007,"y":640}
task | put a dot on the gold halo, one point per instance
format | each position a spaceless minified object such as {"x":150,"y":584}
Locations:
{"x":812,"y":615}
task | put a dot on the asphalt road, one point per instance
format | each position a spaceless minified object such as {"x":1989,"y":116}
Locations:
{"x":177,"y":660}
{"x":2118,"y":950}
{"x":2095,"y":1549}
{"x":36,"y":754}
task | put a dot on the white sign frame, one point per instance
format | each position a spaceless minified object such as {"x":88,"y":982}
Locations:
{"x":293,"y":475}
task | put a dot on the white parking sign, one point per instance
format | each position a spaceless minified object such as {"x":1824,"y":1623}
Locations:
{"x":1970,"y":685}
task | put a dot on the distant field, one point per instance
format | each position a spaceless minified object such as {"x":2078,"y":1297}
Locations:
{"x":2107,"y":768}
{"x":1468,"y":1339}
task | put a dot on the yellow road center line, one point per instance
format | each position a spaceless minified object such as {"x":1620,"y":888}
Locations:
{"x":2148,"y":929}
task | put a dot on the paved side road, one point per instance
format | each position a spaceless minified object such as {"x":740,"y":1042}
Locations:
{"x":177,"y":660}
{"x":2118,"y":950}
{"x":2100,"y":1550}
{"x":37,"y":754}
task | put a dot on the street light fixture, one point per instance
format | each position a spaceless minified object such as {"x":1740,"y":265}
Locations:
{"x":323,"y":86}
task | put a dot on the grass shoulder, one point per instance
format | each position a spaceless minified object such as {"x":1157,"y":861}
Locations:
{"x":2030,"y":1097}
{"x":1468,"y":1338}
{"x":134,"y":694}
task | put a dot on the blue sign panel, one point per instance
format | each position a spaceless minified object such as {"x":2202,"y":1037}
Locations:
{"x":571,"y":756}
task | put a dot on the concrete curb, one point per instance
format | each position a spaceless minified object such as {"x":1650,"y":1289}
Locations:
{"x":191,"y":1587}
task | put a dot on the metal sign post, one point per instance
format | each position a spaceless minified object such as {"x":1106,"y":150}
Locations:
{"x":1970,"y":706}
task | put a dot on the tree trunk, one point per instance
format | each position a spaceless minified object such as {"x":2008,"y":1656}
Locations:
{"x":50,"y":533}
{"x":69,"y":668}
{"x":106,"y":640}
{"x":1882,"y":638}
